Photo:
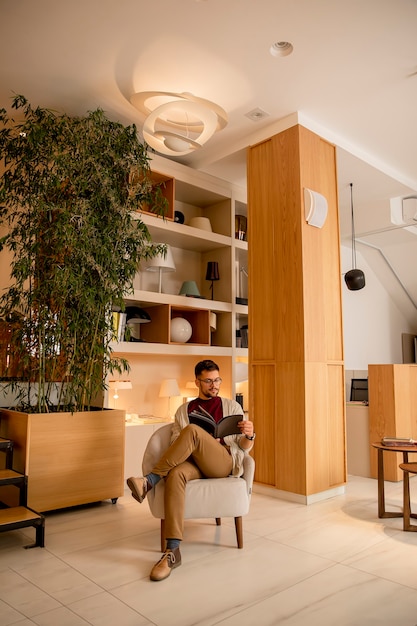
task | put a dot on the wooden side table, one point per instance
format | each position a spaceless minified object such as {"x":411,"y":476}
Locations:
{"x":381,"y":487}
{"x":408,"y":468}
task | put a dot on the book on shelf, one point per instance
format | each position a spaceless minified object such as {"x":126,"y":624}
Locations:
{"x":398,"y":441}
{"x":228,"y":425}
{"x":118,"y":324}
{"x":122,"y":327}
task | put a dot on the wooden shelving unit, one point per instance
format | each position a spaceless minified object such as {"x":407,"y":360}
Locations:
{"x":194,"y":195}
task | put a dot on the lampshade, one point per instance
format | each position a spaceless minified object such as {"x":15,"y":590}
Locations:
{"x":136,"y":315}
{"x":189,"y":288}
{"x":212,"y":272}
{"x":164,"y":261}
{"x":177,"y":123}
{"x":169,"y":388}
{"x":161,"y":263}
{"x":241,"y":370}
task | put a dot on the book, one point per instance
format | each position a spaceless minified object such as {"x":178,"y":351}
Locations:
{"x":398,"y":441}
{"x":121,"y":327}
{"x":228,"y":425}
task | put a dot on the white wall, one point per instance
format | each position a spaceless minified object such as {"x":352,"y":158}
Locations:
{"x":372,"y":322}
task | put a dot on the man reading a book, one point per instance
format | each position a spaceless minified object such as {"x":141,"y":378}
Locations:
{"x":194,"y":453}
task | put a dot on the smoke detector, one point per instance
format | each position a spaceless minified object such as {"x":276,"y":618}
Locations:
{"x":256,"y":115}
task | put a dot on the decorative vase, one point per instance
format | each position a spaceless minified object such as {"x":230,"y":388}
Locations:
{"x":181,"y":330}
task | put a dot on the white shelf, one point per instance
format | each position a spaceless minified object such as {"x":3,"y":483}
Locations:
{"x":241,"y":245}
{"x":146,"y":298}
{"x":196,"y":194}
{"x":183,"y":349}
{"x":183,"y":236}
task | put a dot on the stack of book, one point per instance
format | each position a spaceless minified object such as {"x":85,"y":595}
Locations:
{"x":398,"y":442}
{"x":118,"y":325}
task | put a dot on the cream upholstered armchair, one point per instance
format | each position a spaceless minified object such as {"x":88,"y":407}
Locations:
{"x":204,"y":498}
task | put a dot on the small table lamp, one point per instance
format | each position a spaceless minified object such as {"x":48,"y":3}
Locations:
{"x":169,"y":388}
{"x":161,"y":263}
{"x":212,"y":274}
{"x":189,"y":288}
{"x":134,"y":317}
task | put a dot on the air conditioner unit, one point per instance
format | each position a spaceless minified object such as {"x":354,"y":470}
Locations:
{"x":404,"y":212}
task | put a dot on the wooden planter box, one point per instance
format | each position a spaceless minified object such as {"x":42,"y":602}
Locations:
{"x":69,"y":458}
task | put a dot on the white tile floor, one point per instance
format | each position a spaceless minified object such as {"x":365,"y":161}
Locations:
{"x":329,"y":563}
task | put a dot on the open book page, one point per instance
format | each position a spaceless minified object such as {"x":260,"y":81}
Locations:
{"x":226,"y":426}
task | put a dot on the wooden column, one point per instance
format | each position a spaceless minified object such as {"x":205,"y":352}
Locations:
{"x":295,"y":330}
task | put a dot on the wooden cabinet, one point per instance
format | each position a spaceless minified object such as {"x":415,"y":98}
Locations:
{"x":215,"y":322}
{"x":392,"y":411}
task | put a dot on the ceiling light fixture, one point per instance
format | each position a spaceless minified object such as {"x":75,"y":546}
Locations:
{"x":178,"y":123}
{"x":281,"y":49}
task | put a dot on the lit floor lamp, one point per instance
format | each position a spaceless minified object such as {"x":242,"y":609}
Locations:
{"x":169,"y":388}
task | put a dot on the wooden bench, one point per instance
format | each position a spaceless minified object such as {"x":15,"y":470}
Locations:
{"x":22,"y":517}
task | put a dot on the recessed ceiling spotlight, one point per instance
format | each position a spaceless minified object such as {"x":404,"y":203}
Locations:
{"x":281,"y":49}
{"x":256,"y":115}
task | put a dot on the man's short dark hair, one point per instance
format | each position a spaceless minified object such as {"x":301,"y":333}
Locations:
{"x":208,"y":365}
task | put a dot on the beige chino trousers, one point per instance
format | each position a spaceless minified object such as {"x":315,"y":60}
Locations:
{"x":194,"y":454}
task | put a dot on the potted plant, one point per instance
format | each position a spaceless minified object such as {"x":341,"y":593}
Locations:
{"x":68,"y":194}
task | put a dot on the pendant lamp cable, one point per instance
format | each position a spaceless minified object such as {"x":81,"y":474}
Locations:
{"x":353,"y":229}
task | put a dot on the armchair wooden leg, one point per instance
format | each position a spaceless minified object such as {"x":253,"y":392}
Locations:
{"x":218,"y":521}
{"x":163,"y":540}
{"x":239,"y":531}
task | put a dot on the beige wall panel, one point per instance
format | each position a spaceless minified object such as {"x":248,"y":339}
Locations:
{"x":264,"y":451}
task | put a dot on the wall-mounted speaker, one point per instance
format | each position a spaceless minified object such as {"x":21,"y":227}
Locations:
{"x":315,"y":208}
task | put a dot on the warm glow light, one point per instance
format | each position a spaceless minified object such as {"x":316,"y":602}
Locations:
{"x":178,"y":123}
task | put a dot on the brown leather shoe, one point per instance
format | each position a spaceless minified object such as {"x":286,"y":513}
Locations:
{"x":139,"y":487}
{"x":168,"y":561}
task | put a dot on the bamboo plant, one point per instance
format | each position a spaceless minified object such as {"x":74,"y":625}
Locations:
{"x":69,"y":193}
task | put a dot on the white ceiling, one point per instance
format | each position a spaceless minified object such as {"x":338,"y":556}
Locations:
{"x":352,"y":78}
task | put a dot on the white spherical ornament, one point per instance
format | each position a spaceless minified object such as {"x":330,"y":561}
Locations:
{"x":181,"y":330}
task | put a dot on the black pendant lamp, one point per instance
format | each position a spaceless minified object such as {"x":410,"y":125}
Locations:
{"x":354,"y":278}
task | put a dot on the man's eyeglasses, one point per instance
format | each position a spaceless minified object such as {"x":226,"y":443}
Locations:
{"x":209,"y":381}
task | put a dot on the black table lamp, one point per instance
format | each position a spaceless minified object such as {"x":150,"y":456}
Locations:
{"x":212,"y":274}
